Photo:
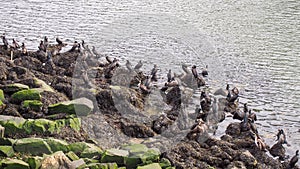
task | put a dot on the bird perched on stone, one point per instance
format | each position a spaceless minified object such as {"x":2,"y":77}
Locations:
{"x":59,"y":41}
{"x":294,"y":159}
{"x":153,"y":73}
{"x":24,"y":50}
{"x":277,"y":150}
{"x":128,"y":65}
{"x":4,"y":40}
{"x":259,"y":142}
{"x":15,"y":44}
{"x":95,"y":51}
{"x":75,"y":46}
{"x":194,"y":71}
{"x":169,"y":76}
{"x":46,"y":43}
{"x":42,"y":46}
{"x":138,"y":66}
{"x":204,"y":71}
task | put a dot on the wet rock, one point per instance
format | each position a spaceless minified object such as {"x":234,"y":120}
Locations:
{"x":30,"y":94}
{"x":56,"y":160}
{"x":13,"y":164}
{"x":34,"y":146}
{"x":150,"y":166}
{"x":15,"y":87}
{"x":6,"y":151}
{"x":81,"y":107}
{"x":34,"y":162}
{"x":136,"y":130}
{"x":114,"y":155}
{"x":233,"y":129}
{"x":248,"y":159}
{"x":57,"y":145}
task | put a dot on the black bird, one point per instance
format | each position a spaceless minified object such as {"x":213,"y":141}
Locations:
{"x":15,"y":44}
{"x":227,"y":87}
{"x":194,"y":71}
{"x":42,"y":46}
{"x":169,"y":76}
{"x":83,"y":44}
{"x":294,"y":159}
{"x":24,"y":50}
{"x":59,"y":41}
{"x":128,"y":65}
{"x":4,"y":40}
{"x":246,"y":109}
{"x":94,"y":51}
{"x":139,"y":65}
{"x":108,"y":60}
{"x":75,"y":45}
{"x":252,"y":116}
{"x":153,"y":73}
{"x":46,"y":43}
{"x":147,"y":82}
{"x":204,"y":71}
{"x":245,"y":126}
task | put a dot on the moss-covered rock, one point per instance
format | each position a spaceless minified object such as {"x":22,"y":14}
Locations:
{"x":34,"y":162}
{"x":150,"y":166}
{"x":2,"y":130}
{"x":7,"y":141}
{"x":2,"y":97}
{"x":15,"y":87}
{"x":43,"y":85}
{"x":6,"y":151}
{"x":74,"y":123}
{"x":72,"y":156}
{"x":14,"y":164}
{"x":35,"y":105}
{"x":57,"y":145}
{"x":30,"y":94}
{"x":164,"y":163}
{"x":34,"y":146}
{"x":77,"y":147}
{"x":13,"y":126}
{"x":102,"y":166}
{"x":114,"y":155}
{"x":135,"y":148}
{"x":152,"y":155}
{"x":91,"y":151}
{"x":81,"y":107}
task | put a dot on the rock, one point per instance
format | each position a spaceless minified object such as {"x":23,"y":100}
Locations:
{"x":164,"y":163}
{"x":150,"y":166}
{"x":57,"y":145}
{"x":91,"y":151}
{"x":15,"y":87}
{"x":6,"y":151}
{"x":114,"y":155}
{"x":81,"y":107}
{"x":34,"y":146}
{"x":56,"y":160}
{"x":2,"y":130}
{"x":151,"y":155}
{"x":78,"y":164}
{"x":12,"y":124}
{"x":2,"y":97}
{"x":135,"y":148}
{"x":221,"y":92}
{"x":74,"y":123}
{"x":43,"y":85}
{"x":102,"y":166}
{"x":30,"y":94}
{"x":248,"y":159}
{"x":34,"y":105}
{"x":233,"y":129}
{"x":72,"y":156}
{"x":236,"y":165}
{"x":6,"y":141}
{"x":78,"y":147}
{"x":34,"y":162}
{"x":13,"y":164}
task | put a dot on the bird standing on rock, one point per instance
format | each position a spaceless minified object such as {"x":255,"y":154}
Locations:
{"x":46,"y":43}
{"x":194,"y":71}
{"x":42,"y":46}
{"x":138,"y":66}
{"x":24,"y":50}
{"x":204,"y":71}
{"x":4,"y":40}
{"x":15,"y":44}
{"x":153,"y":73}
{"x":294,"y":159}
{"x":169,"y":76}
{"x":59,"y":41}
{"x":277,"y":150}
{"x":128,"y":65}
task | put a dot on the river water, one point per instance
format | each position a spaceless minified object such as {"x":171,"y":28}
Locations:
{"x":253,"y":45}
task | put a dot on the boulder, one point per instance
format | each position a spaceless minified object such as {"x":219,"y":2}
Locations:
{"x":15,"y":87}
{"x":91,"y":151}
{"x":74,"y":123}
{"x":78,"y":164}
{"x":150,"y":166}
{"x":72,"y":156}
{"x":34,"y":146}
{"x":135,"y":148}
{"x":164,"y":163}
{"x":43,"y":85}
{"x":13,"y":164}
{"x":114,"y":155}
{"x":30,"y":94}
{"x":78,"y":147}
{"x":248,"y":159}
{"x":56,"y":160}
{"x":34,"y":162}
{"x":2,"y":130}
{"x":81,"y":107}
{"x":2,"y":97}
{"x":34,"y":105}
{"x":57,"y":145}
{"x":6,"y":141}
{"x":102,"y":166}
{"x":6,"y":151}
{"x":12,"y":124}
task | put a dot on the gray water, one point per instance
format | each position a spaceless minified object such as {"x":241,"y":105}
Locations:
{"x":253,"y":45}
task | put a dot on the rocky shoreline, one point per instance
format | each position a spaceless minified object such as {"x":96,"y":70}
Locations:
{"x":55,"y":105}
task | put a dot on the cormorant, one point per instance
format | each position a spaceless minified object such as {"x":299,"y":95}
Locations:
{"x":194,"y":71}
{"x":138,"y":66}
